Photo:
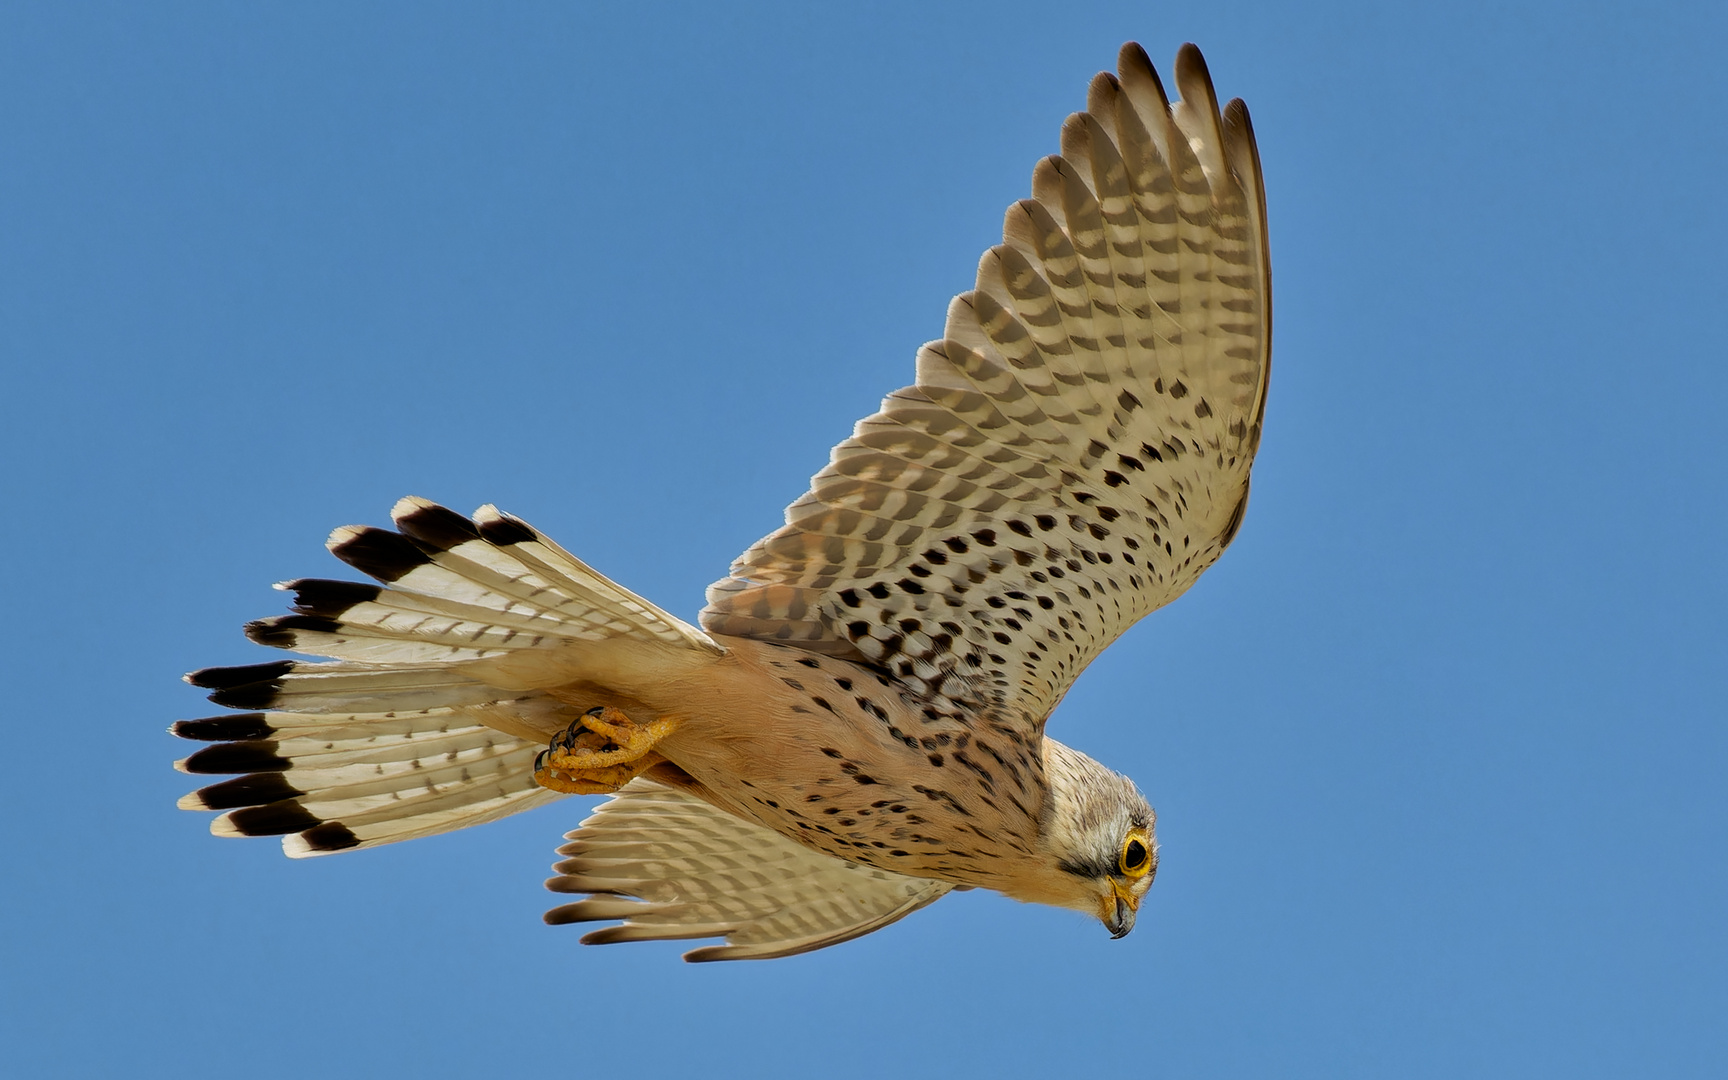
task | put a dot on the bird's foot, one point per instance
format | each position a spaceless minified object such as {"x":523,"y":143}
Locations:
{"x":601,"y":752}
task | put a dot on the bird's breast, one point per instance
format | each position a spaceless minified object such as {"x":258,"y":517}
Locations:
{"x":840,"y":758}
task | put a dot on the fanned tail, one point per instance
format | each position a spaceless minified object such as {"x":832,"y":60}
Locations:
{"x":406,"y":734}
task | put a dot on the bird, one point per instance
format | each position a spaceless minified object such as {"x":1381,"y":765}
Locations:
{"x":855,"y":725}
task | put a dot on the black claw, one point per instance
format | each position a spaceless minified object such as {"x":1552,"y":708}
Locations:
{"x":564,"y":740}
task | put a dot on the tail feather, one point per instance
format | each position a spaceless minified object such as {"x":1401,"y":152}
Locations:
{"x":554,"y":563}
{"x":343,"y":780}
{"x":373,"y":747}
{"x":400,"y":735}
{"x":500,"y":563}
{"x":352,"y":776}
{"x":377,"y":625}
{"x":455,"y":787}
{"x":503,"y":801}
{"x":348,"y":688}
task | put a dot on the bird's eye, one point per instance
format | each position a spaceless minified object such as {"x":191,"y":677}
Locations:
{"x":1136,"y":860}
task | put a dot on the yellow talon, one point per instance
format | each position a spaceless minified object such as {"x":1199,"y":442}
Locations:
{"x":591,"y":784}
{"x":579,"y":762}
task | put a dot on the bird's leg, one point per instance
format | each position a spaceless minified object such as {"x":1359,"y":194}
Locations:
{"x":601,"y":751}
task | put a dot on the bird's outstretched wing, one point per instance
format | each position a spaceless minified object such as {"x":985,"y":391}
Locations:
{"x":672,"y":867}
{"x":1075,"y":451}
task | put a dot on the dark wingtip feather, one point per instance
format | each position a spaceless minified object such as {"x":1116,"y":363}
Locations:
{"x":237,"y":757}
{"x":505,"y":530}
{"x":1194,"y":79}
{"x":330,"y":836}
{"x":319,"y":596}
{"x":607,"y":935}
{"x":1236,"y":113}
{"x":236,"y":727}
{"x":258,"y":789}
{"x":1190,"y":59}
{"x":274,"y":819}
{"x":279,"y":631}
{"x":380,"y":553}
{"x":1132,"y":63}
{"x":708,"y":954}
{"x":567,"y":914}
{"x":1099,"y":93}
{"x":437,"y":528}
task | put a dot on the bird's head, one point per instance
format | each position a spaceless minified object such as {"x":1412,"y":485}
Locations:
{"x":1098,"y":849}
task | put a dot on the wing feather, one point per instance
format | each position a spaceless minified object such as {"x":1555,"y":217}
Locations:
{"x":1076,"y":449}
{"x":672,"y":867}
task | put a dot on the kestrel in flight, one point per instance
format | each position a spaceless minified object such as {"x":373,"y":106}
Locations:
{"x":857,"y":727}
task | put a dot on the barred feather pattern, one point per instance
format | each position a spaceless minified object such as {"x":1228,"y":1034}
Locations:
{"x":1076,"y":448}
{"x":400,"y":737}
{"x":458,"y":589}
{"x":334,"y":781}
{"x":672,"y":867}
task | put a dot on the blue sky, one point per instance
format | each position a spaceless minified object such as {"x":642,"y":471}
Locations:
{"x":1438,"y":748}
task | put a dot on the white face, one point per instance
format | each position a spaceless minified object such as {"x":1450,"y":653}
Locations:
{"x":1107,"y":869}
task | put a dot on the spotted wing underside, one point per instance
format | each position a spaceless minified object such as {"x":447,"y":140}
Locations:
{"x":672,"y":867}
{"x":1076,"y":449}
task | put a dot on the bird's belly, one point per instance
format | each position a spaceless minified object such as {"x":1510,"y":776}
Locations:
{"x":830,"y":757}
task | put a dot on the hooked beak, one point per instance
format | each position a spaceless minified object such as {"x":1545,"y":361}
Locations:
{"x":1119,"y":915}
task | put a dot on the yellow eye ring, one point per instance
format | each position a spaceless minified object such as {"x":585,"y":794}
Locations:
{"x":1136,"y":857}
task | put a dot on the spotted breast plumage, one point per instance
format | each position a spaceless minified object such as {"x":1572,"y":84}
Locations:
{"x":857,"y":726}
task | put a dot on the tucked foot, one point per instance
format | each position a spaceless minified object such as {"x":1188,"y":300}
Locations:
{"x":601,"y":752}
